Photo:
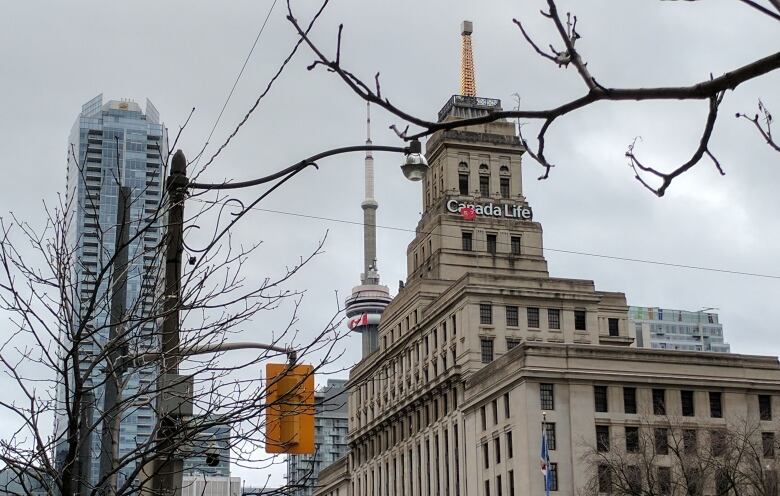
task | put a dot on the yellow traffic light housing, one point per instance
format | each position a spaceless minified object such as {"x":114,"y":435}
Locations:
{"x":289,"y":425}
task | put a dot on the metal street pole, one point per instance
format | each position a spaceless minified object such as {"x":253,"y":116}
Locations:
{"x":112,"y":414}
{"x":166,"y":476}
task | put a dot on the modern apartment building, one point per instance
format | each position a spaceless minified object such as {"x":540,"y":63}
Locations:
{"x":210,"y":485}
{"x":482,"y":348}
{"x":116,"y":151}
{"x":667,"y":329}
{"x":330,"y":425}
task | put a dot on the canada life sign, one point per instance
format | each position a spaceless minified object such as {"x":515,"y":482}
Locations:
{"x":470,"y":211}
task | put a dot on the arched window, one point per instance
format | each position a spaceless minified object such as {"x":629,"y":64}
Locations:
{"x":484,"y":180}
{"x":503,"y":173}
{"x":463,"y":178}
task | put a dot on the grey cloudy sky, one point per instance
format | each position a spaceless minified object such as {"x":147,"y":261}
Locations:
{"x":54,"y":56}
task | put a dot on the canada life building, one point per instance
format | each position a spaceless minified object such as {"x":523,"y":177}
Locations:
{"x":481,"y":341}
{"x":112,"y":145}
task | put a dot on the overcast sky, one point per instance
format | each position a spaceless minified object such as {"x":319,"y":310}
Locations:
{"x":55,"y":56}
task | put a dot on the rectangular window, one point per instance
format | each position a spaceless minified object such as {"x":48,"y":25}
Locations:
{"x":498,"y":486}
{"x":510,"y":451}
{"x":506,"y":405}
{"x":632,"y":439}
{"x":659,"y":402}
{"x":613,"y":327}
{"x":484,"y":186}
{"x":463,"y":184}
{"x":504,"y":181}
{"x":552,"y":477}
{"x":549,"y":428}
{"x":605,"y":478}
{"x":765,"y":406}
{"x":533,"y":317}
{"x":718,"y":442}
{"x":546,"y":397}
{"x":497,"y":449}
{"x":716,"y":407}
{"x":600,"y":398}
{"x":516,"y":245}
{"x":483,"y":417}
{"x":602,"y":438}
{"x":486,"y":346}
{"x":553,"y":318}
{"x":689,"y":441}
{"x":629,"y":400}
{"x":485,"y":313}
{"x":511,"y":343}
{"x":466,"y":243}
{"x":491,"y":244}
{"x":579,"y":320}
{"x":661,"y":435}
{"x":511,"y":476}
{"x":495,"y":411}
{"x":487,"y":488}
{"x":686,"y":400}
{"x":664,"y":481}
{"x":511,"y":316}
{"x":485,"y":456}
{"x":768,"y":443}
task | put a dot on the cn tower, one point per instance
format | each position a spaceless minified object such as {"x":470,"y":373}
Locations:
{"x":369,"y":299}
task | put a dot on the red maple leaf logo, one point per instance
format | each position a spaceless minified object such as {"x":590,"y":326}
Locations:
{"x":468,"y":213}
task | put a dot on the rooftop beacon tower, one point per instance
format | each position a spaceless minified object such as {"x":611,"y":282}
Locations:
{"x":369,"y":299}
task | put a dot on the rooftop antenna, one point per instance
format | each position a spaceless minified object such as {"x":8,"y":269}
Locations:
{"x":468,"y":83}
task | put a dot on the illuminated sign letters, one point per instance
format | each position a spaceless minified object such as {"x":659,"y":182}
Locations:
{"x":492,"y":210}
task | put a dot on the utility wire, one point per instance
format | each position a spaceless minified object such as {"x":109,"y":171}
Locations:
{"x":558,"y":250}
{"x":240,"y":73}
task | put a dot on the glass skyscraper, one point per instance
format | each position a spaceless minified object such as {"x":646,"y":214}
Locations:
{"x":668,"y":329}
{"x":115,"y":146}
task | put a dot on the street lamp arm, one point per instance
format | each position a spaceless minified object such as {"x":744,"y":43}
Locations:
{"x":214,"y":348}
{"x":305,"y":163}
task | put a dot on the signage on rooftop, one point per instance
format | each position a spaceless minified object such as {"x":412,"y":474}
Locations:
{"x":470,"y":211}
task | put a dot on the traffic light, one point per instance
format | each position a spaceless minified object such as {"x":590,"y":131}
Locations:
{"x":289,"y":425}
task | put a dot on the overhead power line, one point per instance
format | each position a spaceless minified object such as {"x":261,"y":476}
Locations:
{"x":558,"y":250}
{"x":240,"y":73}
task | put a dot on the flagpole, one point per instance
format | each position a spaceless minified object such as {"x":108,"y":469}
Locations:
{"x":545,"y":455}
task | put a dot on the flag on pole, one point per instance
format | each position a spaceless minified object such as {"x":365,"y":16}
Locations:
{"x":544,"y":459}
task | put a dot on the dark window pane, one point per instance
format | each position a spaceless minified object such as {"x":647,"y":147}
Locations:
{"x":533,"y":317}
{"x":483,"y":418}
{"x":602,"y":438}
{"x":689,"y":441}
{"x":497,"y":449}
{"x":765,"y":406}
{"x":613,"y":327}
{"x":485,"y":455}
{"x":688,"y":408}
{"x":768,"y":443}
{"x":605,"y":479}
{"x":485,"y":313}
{"x":507,"y":412}
{"x":484,"y":185}
{"x":511,"y":316}
{"x":546,"y":396}
{"x":511,"y":343}
{"x":600,"y":398}
{"x":463,"y":184}
{"x":718,"y":442}
{"x":491,"y":243}
{"x":579,"y":320}
{"x":550,"y":428}
{"x":661,"y":441}
{"x":659,"y":401}
{"x":487,"y":350}
{"x":554,"y":318}
{"x":664,"y":481}
{"x":516,"y":245}
{"x":466,"y":241}
{"x":716,"y":408}
{"x":629,"y":400}
{"x":634,"y":479}
{"x":632,"y":439}
{"x":552,"y":478}
{"x":510,"y":450}
{"x":505,"y":187}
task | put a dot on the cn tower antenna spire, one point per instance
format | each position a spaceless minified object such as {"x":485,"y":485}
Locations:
{"x":468,"y":83}
{"x":369,"y":206}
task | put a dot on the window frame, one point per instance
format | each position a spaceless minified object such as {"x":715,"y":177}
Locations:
{"x":533,"y":318}
{"x":485,"y":314}
{"x":484,"y":343}
{"x":467,"y":240}
{"x":629,"y":402}
{"x":580,"y":320}
{"x":687,"y":403}
{"x":716,"y":407}
{"x":554,"y":323}
{"x":659,"y":401}
{"x":632,"y":440}
{"x":544,"y":398}
{"x":602,"y":438}
{"x":600,"y":398}
{"x":765,"y":407}
{"x":512,"y":316}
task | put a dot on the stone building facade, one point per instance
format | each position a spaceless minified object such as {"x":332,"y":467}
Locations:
{"x":449,"y":405}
